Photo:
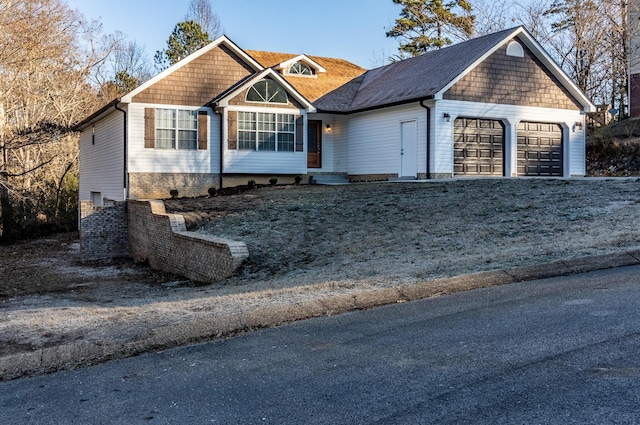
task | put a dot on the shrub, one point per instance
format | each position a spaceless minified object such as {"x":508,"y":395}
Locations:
{"x":212,"y":191}
{"x":273,"y":181}
{"x":251,"y":184}
{"x":600,"y":142}
{"x":298,"y":179}
{"x":173,"y":193}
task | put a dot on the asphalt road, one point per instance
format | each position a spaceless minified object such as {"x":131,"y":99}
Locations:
{"x":555,"y":351}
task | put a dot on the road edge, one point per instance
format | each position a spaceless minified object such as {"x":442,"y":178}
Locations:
{"x":84,"y":353}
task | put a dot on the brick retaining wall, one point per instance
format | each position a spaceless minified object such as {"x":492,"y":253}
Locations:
{"x":163,"y":240}
{"x":103,"y":231}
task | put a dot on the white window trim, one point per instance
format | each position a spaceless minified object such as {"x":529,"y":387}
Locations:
{"x":314,"y":71}
{"x":175,"y":108}
{"x":260,"y":102}
{"x":515,"y":49}
{"x":257,"y":131}
{"x":301,"y":58}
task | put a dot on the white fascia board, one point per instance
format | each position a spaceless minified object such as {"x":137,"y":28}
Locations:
{"x":439,"y":95}
{"x":542,"y":55}
{"x":223,"y":40}
{"x":304,"y":58}
{"x":559,"y":73}
{"x":224,"y":102}
{"x":98,"y":115}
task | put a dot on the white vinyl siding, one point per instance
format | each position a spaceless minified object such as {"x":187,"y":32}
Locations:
{"x":335,"y":144}
{"x":574,"y":137}
{"x":374,"y":140}
{"x":372,"y":143}
{"x":146,"y":160}
{"x":274,"y":151}
{"x":102,"y":159}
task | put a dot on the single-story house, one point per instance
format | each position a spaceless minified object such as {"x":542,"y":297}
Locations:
{"x":496,"y":105}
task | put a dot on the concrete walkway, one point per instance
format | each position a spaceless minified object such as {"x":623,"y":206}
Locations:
{"x":278,"y":308}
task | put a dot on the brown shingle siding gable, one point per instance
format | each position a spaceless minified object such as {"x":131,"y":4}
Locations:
{"x":199,"y":81}
{"x":522,"y":81}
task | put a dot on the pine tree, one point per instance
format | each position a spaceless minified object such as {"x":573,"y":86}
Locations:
{"x":426,"y":25}
{"x":186,"y":38}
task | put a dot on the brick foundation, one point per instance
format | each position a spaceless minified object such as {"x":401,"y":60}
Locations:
{"x":386,"y":177}
{"x":230,"y":180}
{"x":103,"y":231}
{"x":158,"y":185}
{"x":163,"y":240}
{"x":370,"y":177}
{"x":440,"y":175}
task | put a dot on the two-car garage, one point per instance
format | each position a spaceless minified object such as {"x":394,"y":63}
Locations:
{"x":479,"y":148}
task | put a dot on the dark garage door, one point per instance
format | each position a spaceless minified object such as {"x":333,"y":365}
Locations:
{"x":539,"y":149}
{"x":478,"y":147}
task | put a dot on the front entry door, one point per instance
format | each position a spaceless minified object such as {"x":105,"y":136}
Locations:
{"x":408,"y":149}
{"x":314,"y":144}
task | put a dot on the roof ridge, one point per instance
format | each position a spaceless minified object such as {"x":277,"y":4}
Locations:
{"x":399,"y":82}
{"x":293,"y":55}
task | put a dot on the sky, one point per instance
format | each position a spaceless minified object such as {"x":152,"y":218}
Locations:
{"x":349,"y":29}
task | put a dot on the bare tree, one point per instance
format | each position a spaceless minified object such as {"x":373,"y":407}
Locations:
{"x":202,"y":12}
{"x":131,"y":57}
{"x":492,"y":16}
{"x":532,"y":15}
{"x":43,"y":91}
{"x":127,"y":65}
{"x":624,"y":29}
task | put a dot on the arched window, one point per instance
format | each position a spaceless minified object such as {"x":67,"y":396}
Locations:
{"x":267,"y":91}
{"x":515,"y":49}
{"x":300,"y":68}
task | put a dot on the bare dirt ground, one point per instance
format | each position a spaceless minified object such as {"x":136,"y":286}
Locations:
{"x":406,"y":232}
{"x":310,"y":242}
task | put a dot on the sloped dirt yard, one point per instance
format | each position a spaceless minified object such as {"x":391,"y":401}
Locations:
{"x":312,"y":242}
{"x":400,"y":233}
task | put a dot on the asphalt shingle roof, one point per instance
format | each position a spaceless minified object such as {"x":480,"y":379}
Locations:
{"x":408,"y":80}
{"x":339,"y":72}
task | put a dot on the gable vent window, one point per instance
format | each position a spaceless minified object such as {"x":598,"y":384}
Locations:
{"x":267,"y":91}
{"x":515,"y":49}
{"x":300,"y":68}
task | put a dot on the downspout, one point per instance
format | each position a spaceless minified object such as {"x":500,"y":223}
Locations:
{"x":125,"y":177}
{"x":428,"y":137}
{"x":221,"y":148}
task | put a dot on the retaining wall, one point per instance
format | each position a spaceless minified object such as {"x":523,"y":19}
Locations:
{"x":103,"y":231}
{"x":163,"y":240}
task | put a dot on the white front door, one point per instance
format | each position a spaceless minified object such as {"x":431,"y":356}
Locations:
{"x":408,"y":149}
